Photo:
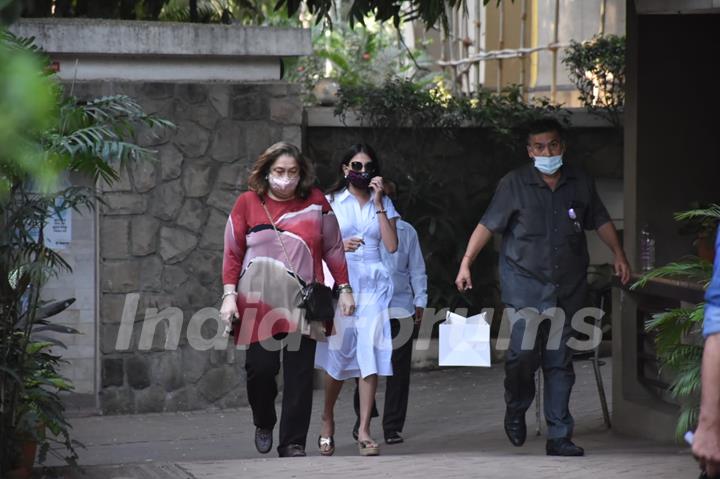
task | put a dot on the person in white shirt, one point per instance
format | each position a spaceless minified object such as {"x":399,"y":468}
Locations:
{"x":407,"y":268}
{"x":362,"y":344}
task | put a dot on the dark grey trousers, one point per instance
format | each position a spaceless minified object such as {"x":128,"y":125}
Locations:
{"x":547,"y":349}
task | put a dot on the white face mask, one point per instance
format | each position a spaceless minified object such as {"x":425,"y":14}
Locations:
{"x":548,"y":164}
{"x":283,"y":185}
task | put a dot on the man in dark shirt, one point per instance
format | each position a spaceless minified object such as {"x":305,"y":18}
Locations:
{"x":541,"y":210}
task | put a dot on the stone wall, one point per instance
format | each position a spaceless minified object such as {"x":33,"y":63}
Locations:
{"x":161,"y":236}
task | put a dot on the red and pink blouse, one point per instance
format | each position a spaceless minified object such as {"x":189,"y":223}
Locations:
{"x":254,"y":260}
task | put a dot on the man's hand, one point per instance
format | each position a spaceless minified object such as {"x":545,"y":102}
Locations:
{"x":706,"y":448}
{"x":608,"y":234}
{"x":463,"y":280}
{"x":419,"y":315}
{"x":706,"y":443}
{"x":622,"y":267}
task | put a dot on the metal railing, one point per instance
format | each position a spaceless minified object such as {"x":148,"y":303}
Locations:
{"x":461,"y":63}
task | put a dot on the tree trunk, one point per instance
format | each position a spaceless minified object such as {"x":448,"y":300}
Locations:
{"x":153,"y":8}
{"x":102,"y":8}
{"x":127,"y":9}
{"x":194,"y":11}
{"x":63,"y":8}
{"x":37,"y":8}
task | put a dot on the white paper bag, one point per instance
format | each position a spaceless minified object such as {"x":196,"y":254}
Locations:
{"x":464,"y":341}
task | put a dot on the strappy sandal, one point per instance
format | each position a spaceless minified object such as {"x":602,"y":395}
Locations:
{"x":326,"y":445}
{"x":368,"y":448}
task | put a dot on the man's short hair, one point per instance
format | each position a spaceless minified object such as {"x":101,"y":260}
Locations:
{"x":545,"y":125}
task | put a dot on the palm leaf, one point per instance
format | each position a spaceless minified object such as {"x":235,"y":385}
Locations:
{"x":695,"y":269}
{"x":711,"y":212}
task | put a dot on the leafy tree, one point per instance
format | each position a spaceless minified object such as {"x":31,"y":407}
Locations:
{"x":429,"y":12}
{"x":432,"y":13}
{"x":45,"y":134}
{"x":597,"y":69}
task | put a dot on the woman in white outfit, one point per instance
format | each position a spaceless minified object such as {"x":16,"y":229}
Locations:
{"x":362,"y":345}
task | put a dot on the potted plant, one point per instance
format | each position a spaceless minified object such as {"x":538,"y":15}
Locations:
{"x":678,"y":331}
{"x":40,"y":416}
{"x":40,"y":408}
{"x":702,"y":222}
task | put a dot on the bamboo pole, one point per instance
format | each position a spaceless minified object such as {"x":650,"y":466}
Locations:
{"x":553,"y":86}
{"x":478,"y":33}
{"x":443,"y":51}
{"x":501,"y":44}
{"x":451,"y":50}
{"x":466,"y":50}
{"x":523,"y":19}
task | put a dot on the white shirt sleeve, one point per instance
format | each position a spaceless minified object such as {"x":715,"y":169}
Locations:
{"x":390,"y":208}
{"x":416,"y":268}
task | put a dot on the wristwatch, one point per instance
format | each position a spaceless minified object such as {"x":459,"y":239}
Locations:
{"x":229,"y":293}
{"x":344,"y":288}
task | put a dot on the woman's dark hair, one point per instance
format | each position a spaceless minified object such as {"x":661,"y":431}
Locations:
{"x":349,"y":154}
{"x":258,"y":182}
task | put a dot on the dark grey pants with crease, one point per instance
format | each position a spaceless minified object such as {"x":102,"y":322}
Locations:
{"x":547,"y":349}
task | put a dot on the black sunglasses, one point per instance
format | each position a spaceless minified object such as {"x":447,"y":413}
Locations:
{"x":359,"y":165}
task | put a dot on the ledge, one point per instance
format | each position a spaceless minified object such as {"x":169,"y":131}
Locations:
{"x":91,"y":50}
{"x":664,"y":7}
{"x":323,"y":116}
{"x":677,"y":289}
{"x":117,"y":37}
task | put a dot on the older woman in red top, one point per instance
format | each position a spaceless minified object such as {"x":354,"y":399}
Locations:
{"x":261,"y":292}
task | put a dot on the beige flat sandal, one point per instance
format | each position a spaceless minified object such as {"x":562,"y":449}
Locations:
{"x":368,"y":448}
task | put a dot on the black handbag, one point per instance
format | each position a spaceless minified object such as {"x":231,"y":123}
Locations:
{"x":314,"y":297}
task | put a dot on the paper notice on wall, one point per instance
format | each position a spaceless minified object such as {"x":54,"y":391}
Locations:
{"x":58,"y":230}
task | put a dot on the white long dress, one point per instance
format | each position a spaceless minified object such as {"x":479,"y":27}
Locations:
{"x":362,"y":344}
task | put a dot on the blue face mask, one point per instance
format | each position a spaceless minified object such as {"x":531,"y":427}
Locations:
{"x":548,"y":164}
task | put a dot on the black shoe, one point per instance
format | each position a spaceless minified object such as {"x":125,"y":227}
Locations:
{"x":291,"y":450}
{"x":356,"y":429}
{"x":263,"y":440}
{"x":515,"y":428}
{"x":563,"y":447}
{"x":393,"y":438}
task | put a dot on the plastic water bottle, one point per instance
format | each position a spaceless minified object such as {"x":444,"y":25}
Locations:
{"x":647,"y":249}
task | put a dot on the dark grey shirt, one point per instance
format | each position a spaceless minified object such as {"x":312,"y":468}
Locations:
{"x":544,"y":255}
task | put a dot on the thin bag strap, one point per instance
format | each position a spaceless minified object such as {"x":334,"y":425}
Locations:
{"x":282,"y":245}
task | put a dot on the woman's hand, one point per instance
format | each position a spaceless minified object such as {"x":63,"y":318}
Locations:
{"x":378,"y":190}
{"x":228,"y":311}
{"x":347,"y":303}
{"x":352,"y":244}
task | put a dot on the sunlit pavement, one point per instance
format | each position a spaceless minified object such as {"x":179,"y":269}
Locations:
{"x":454,"y":429}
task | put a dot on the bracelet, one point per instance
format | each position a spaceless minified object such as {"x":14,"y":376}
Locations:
{"x":344,"y":288}
{"x":229,"y":293}
{"x":381,"y":212}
